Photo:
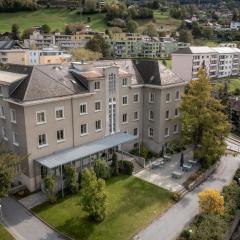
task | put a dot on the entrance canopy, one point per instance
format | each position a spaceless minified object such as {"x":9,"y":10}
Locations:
{"x":74,"y":154}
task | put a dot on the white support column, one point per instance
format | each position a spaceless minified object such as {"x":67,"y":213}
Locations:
{"x":62,"y":183}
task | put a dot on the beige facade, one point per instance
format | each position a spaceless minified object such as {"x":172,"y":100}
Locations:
{"x":218,"y":62}
{"x":14,"y":56}
{"x":107,"y":98}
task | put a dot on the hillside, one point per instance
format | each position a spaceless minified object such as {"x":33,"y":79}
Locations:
{"x":57,"y":18}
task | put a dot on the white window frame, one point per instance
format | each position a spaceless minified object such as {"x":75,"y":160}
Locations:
{"x":136,"y":94}
{"x":125,"y":82}
{"x":137,"y":131}
{"x":44,"y":145}
{"x":149,"y":132}
{"x":167,"y":101}
{"x":82,"y":104}
{"x":14,"y":138}
{"x":125,"y":97}
{"x":84,"y":134}
{"x":150,"y":97}
{"x":98,"y":110}
{"x":167,"y":117}
{"x":45,"y":116}
{"x":97,"y":89}
{"x":135,"y":119}
{"x":175,"y":112}
{"x":149,"y":115}
{"x":100,"y":129}
{"x":179,"y":97}
{"x":61,"y":140}
{"x":166,"y":135}
{"x":4,"y":133}
{"x":2,"y":112}
{"x":126,"y":118}
{"x":59,"y":109}
{"x":175,"y":132}
{"x":12,"y":114}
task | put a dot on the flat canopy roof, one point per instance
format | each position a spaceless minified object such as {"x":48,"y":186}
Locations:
{"x":70,"y":155}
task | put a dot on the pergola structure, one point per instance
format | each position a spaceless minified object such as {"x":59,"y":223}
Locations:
{"x":83,"y":155}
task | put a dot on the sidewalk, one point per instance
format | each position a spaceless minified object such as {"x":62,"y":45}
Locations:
{"x":23,"y":225}
{"x":170,"y":225}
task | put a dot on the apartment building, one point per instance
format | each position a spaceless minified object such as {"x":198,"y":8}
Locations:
{"x":63,"y":41}
{"x":34,"y":57}
{"x":12,"y":51}
{"x":74,"y":113}
{"x":132,"y":45}
{"x":218,"y":62}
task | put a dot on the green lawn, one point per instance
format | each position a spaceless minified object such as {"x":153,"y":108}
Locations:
{"x":4,"y":234}
{"x":55,"y":18}
{"x":233,"y":83}
{"x":163,"y":21}
{"x":132,"y":205}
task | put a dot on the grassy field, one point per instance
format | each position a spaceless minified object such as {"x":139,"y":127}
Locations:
{"x":57,"y":18}
{"x":4,"y":234}
{"x":163,"y":21}
{"x":132,"y":204}
{"x":233,"y":83}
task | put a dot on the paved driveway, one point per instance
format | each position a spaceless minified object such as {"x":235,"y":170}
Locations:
{"x":170,"y":225}
{"x":23,"y":225}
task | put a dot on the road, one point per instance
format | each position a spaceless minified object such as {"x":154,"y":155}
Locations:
{"x":23,"y":225}
{"x":170,"y":225}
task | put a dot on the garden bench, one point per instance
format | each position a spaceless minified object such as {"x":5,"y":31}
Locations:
{"x":177,"y":175}
{"x":187,"y":167}
{"x":192,"y":162}
{"x":167,"y":158}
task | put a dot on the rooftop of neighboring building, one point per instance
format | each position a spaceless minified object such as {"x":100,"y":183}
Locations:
{"x":207,"y":50}
{"x":10,"y":44}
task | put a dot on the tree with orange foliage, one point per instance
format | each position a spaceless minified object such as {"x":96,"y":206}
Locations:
{"x":211,"y":201}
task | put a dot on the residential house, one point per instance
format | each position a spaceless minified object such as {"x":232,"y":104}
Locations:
{"x":75,"y":113}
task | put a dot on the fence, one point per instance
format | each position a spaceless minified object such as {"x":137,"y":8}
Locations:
{"x":141,"y":161}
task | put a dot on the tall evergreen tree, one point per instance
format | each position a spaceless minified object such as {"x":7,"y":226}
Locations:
{"x":204,"y":121}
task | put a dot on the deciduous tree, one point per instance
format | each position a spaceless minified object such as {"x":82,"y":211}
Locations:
{"x":211,"y":202}
{"x":93,"y":196}
{"x":204,"y":121}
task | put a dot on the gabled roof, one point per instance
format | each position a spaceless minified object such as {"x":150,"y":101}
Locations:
{"x":10,"y":44}
{"x":44,"y":81}
{"x":155,"y":73}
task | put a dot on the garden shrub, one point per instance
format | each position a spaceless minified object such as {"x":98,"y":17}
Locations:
{"x":176,"y":196}
{"x":126,"y":167}
{"x":50,"y":188}
{"x":70,"y":179}
{"x":101,"y":169}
